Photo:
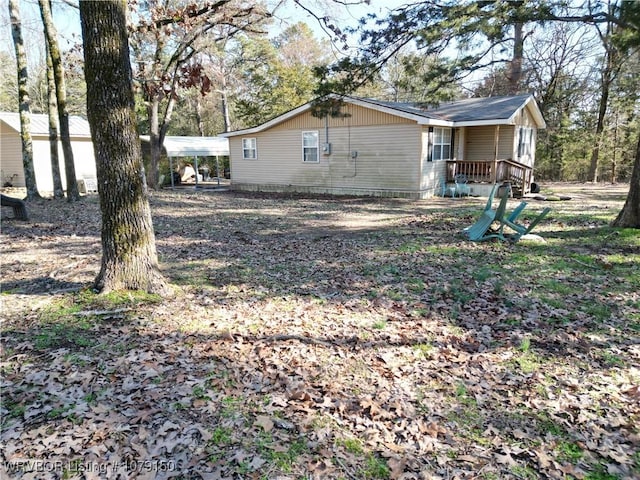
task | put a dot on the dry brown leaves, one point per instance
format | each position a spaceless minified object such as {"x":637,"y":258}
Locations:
{"x":322,"y":338}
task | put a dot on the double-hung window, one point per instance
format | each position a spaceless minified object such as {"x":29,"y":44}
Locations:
{"x":310,"y":146}
{"x":249,"y":149}
{"x":525,"y":142}
{"x":441,"y":143}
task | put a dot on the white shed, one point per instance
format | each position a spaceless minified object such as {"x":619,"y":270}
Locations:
{"x":11,"y":170}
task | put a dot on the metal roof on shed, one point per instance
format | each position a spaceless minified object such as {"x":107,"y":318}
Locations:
{"x":78,"y":126}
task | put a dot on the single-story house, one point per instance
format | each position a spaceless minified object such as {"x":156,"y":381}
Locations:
{"x":11,"y":170}
{"x":390,"y":149}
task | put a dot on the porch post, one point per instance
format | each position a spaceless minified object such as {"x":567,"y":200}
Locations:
{"x":496,"y":142}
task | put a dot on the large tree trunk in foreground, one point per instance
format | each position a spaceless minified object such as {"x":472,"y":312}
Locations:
{"x":51,"y":37}
{"x":629,"y":216}
{"x":129,"y":259}
{"x":24,"y":102}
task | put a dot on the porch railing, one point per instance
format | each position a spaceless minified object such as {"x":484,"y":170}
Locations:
{"x":492,"y":171}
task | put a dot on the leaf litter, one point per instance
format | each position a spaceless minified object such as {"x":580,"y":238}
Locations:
{"x":317,"y":337}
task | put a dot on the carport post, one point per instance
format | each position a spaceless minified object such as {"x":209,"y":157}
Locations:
{"x":218,"y":170}
{"x":196,"y":162}
{"x":171,"y":172}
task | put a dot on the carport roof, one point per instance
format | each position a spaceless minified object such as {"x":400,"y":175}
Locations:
{"x":176,"y":146}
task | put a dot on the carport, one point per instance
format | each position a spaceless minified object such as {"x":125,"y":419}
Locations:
{"x":195,"y":147}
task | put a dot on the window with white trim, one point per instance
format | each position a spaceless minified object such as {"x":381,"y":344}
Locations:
{"x":310,"y":146}
{"x":525,"y":141}
{"x":441,"y":143}
{"x":249,"y":149}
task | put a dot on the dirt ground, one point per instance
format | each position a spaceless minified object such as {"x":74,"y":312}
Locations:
{"x":318,"y":337}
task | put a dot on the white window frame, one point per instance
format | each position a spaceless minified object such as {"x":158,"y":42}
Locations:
{"x":247,"y":149}
{"x":439,"y":143}
{"x":525,"y":142}
{"x":308,"y":149}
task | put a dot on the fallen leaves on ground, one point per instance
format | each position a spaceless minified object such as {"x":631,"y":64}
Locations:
{"x":323,"y":338}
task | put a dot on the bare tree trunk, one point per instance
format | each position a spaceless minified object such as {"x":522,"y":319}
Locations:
{"x":199,"y":116}
{"x":129,"y":258}
{"x":58,"y":191}
{"x":61,"y":94}
{"x":154,"y":142}
{"x":602,"y":111}
{"x":515,"y":70}
{"x":24,"y":102}
{"x":629,"y":216}
{"x":225,"y":111}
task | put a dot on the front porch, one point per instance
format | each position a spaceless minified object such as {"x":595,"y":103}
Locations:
{"x":483,"y":174}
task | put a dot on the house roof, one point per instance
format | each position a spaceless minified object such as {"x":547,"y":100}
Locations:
{"x":78,"y":126}
{"x":461,"y":113}
{"x":488,"y":109}
{"x":193,"y":146}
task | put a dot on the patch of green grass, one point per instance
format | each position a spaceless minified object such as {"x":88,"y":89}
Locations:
{"x":482,"y":274}
{"x":396,"y":295}
{"x":415,"y":285}
{"x":410,"y":247}
{"x":379,"y":325}
{"x":70,"y":333}
{"x":75,"y":359}
{"x":513,"y":321}
{"x":420,"y":312}
{"x":554,"y":286}
{"x":351,"y":445}
{"x":285,"y":460}
{"x":569,"y":452}
{"x":71,"y":320}
{"x":200,"y":393}
{"x":528,"y":362}
{"x":426,"y":349}
{"x":524,"y":472}
{"x":600,"y":473}
{"x":546,"y":425}
{"x":392,"y":270}
{"x":553,"y":302}
{"x":221,"y":436}
{"x":611,"y":359}
{"x":12,"y":409}
{"x":231,"y":406}
{"x":459,"y":292}
{"x":600,"y":311}
{"x":375,"y":468}
{"x":59,"y":412}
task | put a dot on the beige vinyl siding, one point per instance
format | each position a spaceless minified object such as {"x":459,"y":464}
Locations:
{"x":434,"y":172}
{"x":83,"y":159}
{"x":388,"y":157}
{"x":480,"y":142}
{"x":10,"y":157}
{"x":11,"y":160}
{"x":279,"y":161}
{"x":356,"y":116}
{"x":525,"y":118}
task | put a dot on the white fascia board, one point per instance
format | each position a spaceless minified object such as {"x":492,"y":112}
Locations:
{"x":482,"y":123}
{"x":391,"y":111}
{"x":535,"y":112}
{"x":270,"y":123}
{"x":432,"y":122}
